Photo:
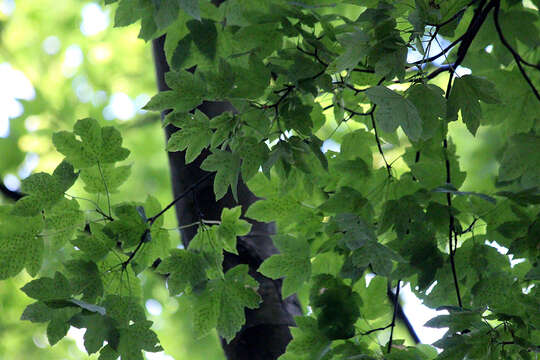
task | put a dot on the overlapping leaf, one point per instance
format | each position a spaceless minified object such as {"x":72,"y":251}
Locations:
{"x":293,"y":263}
{"x":21,"y":248}
{"x":222,"y":303}
{"x":94,"y":145}
{"x":394,"y":110}
{"x":187,"y":93}
{"x":44,"y":190}
{"x":466,"y":93}
{"x":227,"y":168}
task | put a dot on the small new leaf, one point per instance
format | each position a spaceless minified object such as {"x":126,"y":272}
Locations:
{"x":232,"y":226}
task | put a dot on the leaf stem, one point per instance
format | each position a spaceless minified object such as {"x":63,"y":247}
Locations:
{"x":106,"y":189}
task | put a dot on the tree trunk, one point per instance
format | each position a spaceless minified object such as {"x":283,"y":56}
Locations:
{"x":266,"y":332}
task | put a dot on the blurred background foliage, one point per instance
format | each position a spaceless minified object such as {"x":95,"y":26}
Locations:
{"x":61,"y":61}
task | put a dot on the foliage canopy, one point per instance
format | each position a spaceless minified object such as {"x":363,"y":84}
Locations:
{"x":299,"y":74}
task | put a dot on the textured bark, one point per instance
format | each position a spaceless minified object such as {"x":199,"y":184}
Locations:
{"x":265,"y":334}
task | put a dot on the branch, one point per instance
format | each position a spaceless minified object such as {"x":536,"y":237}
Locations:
{"x":478,"y":19}
{"x":444,"y":51}
{"x":519,"y":60}
{"x":377,"y":329}
{"x":388,"y":167}
{"x":451,"y":222}
{"x":393,"y":323}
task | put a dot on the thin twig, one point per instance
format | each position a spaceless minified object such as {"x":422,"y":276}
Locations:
{"x":377,"y":329}
{"x":388,"y":167}
{"x":393,"y":323}
{"x":519,"y":60}
{"x":444,"y":51}
{"x":152,"y":219}
{"x":106,"y":189}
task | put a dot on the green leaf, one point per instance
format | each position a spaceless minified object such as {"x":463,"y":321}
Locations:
{"x":227,"y":167}
{"x":293,"y":263}
{"x":63,"y":220}
{"x":357,"y":144}
{"x":297,"y":117}
{"x":378,"y":256}
{"x":96,"y":245}
{"x":465,"y":95}
{"x":222,"y":303}
{"x":105,"y":178}
{"x":117,"y":278}
{"x":521,"y":156}
{"x":185,"y":268}
{"x":98,"y":330}
{"x":207,"y":245}
{"x":45,"y":288}
{"x":21,"y":248}
{"x":355,"y":49}
{"x":165,"y":13}
{"x":44,"y":190}
{"x":307,"y":337}
{"x":430,"y":102}
{"x":276,"y":207}
{"x":96,"y":144}
{"x":156,"y":248}
{"x":232,"y":226}
{"x":124,"y":309}
{"x":129,"y":228}
{"x":390,"y":63}
{"x":336,"y":306}
{"x":135,"y":338}
{"x":394,"y":110}
{"x":345,"y":199}
{"x":108,"y":353}
{"x":356,"y":232}
{"x":191,"y":7}
{"x":253,"y":153}
{"x":458,"y":321}
{"x":194,"y":135}
{"x":223,"y":125}
{"x":187,"y":93}
{"x":127,"y":13}
{"x":58,"y":319}
{"x":84,"y":278}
